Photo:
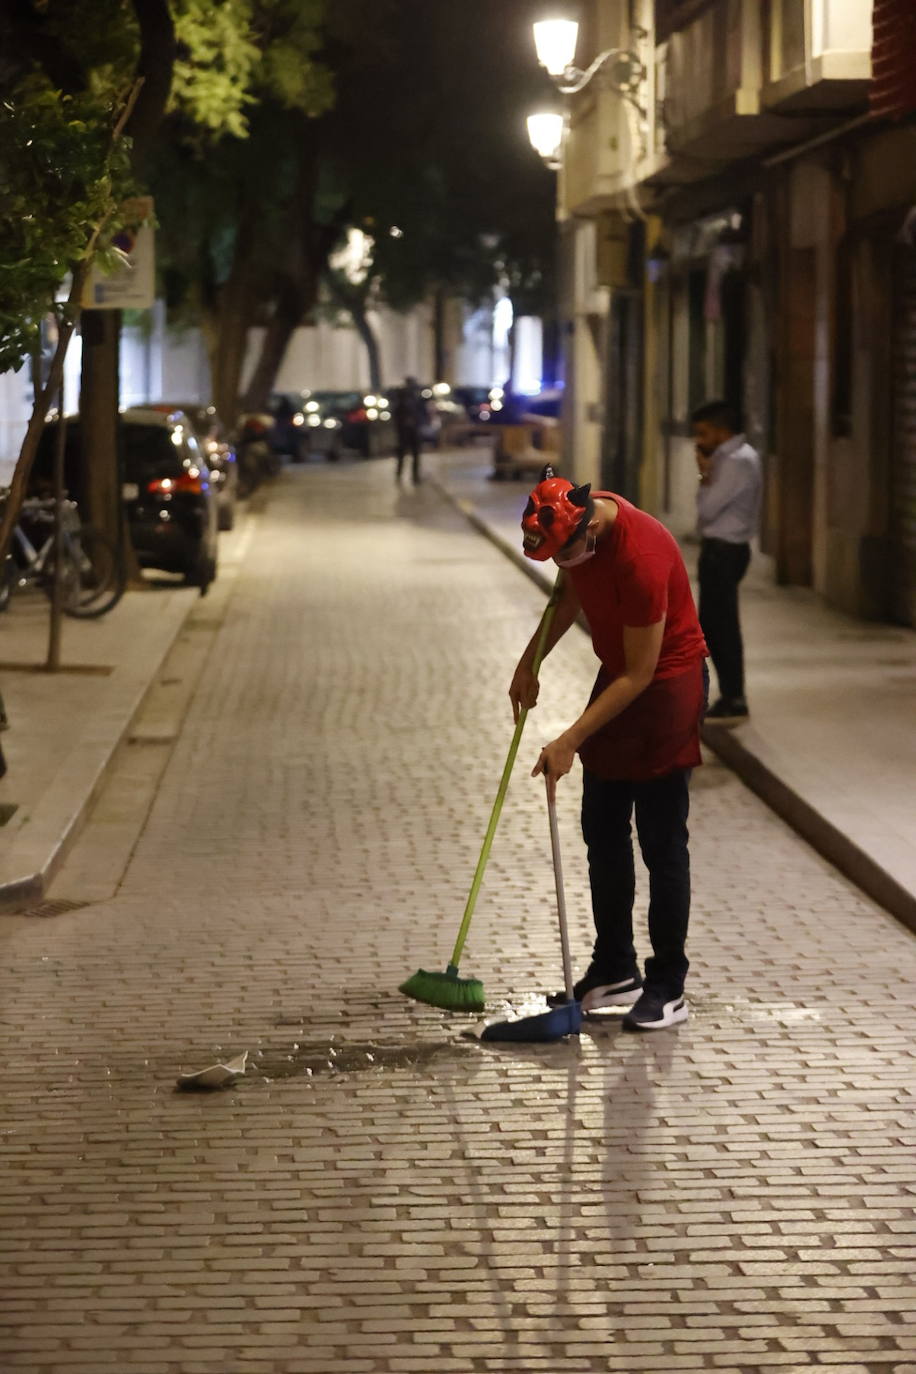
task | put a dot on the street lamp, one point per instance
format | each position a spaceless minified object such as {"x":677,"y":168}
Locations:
{"x":545,"y":133}
{"x":619,"y":68}
{"x":555,"y":40}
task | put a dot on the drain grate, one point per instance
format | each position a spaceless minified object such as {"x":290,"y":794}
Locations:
{"x":57,"y":907}
{"x":7,"y":811}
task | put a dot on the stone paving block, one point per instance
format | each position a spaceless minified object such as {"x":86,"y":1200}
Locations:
{"x":737,"y":1195}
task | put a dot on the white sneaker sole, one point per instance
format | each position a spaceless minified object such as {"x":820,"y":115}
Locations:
{"x":673,"y":1014}
{"x":599,"y":997}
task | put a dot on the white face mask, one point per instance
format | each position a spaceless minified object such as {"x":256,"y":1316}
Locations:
{"x":591,"y":544}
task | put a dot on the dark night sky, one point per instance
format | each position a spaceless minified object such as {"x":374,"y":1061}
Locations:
{"x":451,"y":78}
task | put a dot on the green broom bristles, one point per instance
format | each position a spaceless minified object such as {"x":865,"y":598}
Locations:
{"x":445,"y":990}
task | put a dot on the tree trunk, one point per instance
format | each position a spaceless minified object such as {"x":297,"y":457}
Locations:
{"x":235,"y":309}
{"x":353,"y":300}
{"x":23,"y":469}
{"x":439,"y":362}
{"x":154,"y":67}
{"x":229,"y":359}
{"x":297,"y":288}
{"x":285,"y":321}
{"x":55,"y":628}
{"x":100,"y":373}
{"x":100,"y":499}
{"x":373,"y":348}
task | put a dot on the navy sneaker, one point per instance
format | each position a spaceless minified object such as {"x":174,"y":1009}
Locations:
{"x":728,"y":711}
{"x":656,"y":1010}
{"x":594,"y":990}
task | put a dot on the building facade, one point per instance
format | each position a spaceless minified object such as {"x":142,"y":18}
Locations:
{"x":737,"y":218}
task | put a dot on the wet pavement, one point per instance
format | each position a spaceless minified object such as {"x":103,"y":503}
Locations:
{"x":378,"y":1192}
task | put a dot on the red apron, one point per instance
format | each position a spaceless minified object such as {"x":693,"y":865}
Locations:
{"x":658,"y":733}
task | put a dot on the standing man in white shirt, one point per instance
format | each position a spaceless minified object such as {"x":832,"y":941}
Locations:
{"x":728,"y":513}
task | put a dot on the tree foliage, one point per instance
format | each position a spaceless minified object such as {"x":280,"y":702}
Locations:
{"x":64,"y":77}
{"x":428,"y":147}
{"x":60,"y":175}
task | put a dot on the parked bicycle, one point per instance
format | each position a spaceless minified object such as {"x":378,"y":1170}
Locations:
{"x":93,"y":577}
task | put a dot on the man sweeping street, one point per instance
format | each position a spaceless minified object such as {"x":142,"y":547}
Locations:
{"x":638,"y":737}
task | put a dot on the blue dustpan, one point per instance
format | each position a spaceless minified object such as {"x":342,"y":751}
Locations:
{"x":546,"y":1026}
{"x":559,"y":1021}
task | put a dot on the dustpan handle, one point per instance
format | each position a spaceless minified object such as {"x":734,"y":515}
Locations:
{"x":546,"y":622}
{"x":561,"y":893}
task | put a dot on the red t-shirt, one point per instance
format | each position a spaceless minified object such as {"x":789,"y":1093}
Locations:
{"x":637,"y":577}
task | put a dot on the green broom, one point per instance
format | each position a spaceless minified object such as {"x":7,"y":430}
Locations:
{"x":447,"y":990}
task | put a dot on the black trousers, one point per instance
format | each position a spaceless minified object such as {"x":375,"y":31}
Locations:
{"x":409,"y":442}
{"x":661,"y":808}
{"x":722,"y":566}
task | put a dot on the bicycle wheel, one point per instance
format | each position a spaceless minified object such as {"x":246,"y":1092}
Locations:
{"x":94,"y":577}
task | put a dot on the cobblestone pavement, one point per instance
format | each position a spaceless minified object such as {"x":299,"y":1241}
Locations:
{"x":379,"y":1193}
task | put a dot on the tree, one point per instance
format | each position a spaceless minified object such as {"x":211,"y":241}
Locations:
{"x":239,"y":239}
{"x":65,"y":171}
{"x":428,"y":149}
{"x":198,"y":63}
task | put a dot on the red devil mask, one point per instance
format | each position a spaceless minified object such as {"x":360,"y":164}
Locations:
{"x":556,"y":513}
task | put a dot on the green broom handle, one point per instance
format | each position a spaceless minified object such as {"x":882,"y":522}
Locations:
{"x":546,"y":622}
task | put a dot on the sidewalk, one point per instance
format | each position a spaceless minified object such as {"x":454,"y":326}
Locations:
{"x":66,"y":728}
{"x":831,"y":744}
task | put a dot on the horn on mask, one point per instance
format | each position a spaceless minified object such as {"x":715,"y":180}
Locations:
{"x":579,"y":495}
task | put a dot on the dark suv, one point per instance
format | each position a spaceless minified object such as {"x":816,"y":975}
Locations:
{"x":168,"y":498}
{"x":170,"y":501}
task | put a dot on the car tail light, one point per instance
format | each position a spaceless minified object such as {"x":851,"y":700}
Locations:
{"x":189,"y":481}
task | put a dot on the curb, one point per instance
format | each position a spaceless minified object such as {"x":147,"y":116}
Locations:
{"x":58,"y":819}
{"x":820,"y":833}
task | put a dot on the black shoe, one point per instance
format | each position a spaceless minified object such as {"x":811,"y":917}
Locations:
{"x":656,"y":1010}
{"x":595,"y":990}
{"x":728,"y":711}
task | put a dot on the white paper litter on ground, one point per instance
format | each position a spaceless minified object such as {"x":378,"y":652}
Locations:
{"x":215,"y":1075}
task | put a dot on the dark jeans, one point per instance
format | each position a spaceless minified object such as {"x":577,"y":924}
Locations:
{"x":661,"y":808}
{"x":409,"y":442}
{"x":722,"y":566}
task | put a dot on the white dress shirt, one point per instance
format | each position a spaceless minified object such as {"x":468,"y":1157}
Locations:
{"x":728,"y":502}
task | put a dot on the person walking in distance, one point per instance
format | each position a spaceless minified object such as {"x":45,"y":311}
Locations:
{"x":638,"y":737}
{"x":728,"y":512}
{"x":410,"y":416}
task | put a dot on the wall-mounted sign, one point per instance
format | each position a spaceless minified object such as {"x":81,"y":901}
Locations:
{"x":131,"y":284}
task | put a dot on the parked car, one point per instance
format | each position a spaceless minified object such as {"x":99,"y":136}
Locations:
{"x":219,"y":453}
{"x":356,"y":420}
{"x":317,"y":423}
{"x":451,"y":418}
{"x":288,"y":438}
{"x":472,"y":398}
{"x":168,"y":496}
